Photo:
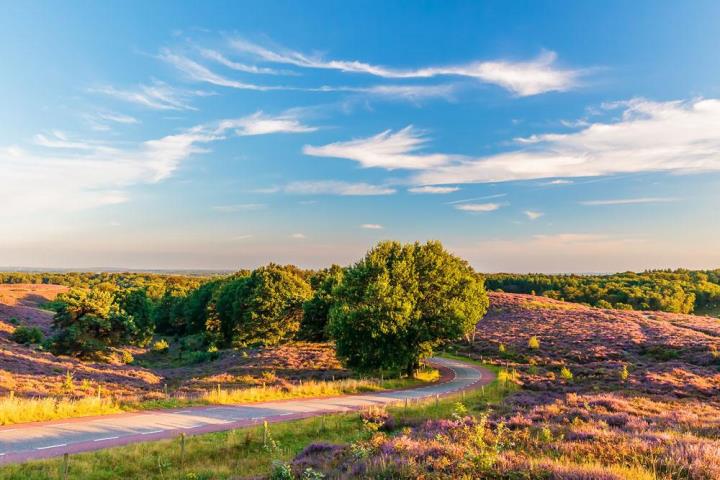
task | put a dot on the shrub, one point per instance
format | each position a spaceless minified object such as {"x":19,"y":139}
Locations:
{"x":533,"y":343}
{"x":501,"y":348}
{"x":624,"y":374}
{"x":27,"y":335}
{"x":566,"y":374}
{"x":281,"y":471}
{"x":161,"y":346}
{"x":126,"y":357}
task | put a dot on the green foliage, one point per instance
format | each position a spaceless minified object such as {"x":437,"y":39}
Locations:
{"x":660,"y":352}
{"x":89,"y":322}
{"x":400,"y":302}
{"x":316,"y":310}
{"x":161,"y":346}
{"x":27,"y":335}
{"x":566,"y":374}
{"x":678,"y":291}
{"x":533,"y":343}
{"x":264,"y":308}
{"x":624,"y":374}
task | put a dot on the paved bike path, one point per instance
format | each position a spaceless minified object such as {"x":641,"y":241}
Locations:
{"x":30,"y":441}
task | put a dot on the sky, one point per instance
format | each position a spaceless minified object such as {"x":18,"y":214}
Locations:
{"x":527,"y":136}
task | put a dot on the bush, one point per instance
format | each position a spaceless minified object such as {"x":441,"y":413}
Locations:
{"x":161,"y":346}
{"x":566,"y":374}
{"x":27,"y":335}
{"x":126,"y":357}
{"x":534,"y":343}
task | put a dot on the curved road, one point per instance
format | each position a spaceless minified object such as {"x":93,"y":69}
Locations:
{"x":48,"y":439}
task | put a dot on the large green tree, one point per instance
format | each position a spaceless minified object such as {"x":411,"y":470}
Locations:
{"x":264,"y":308}
{"x":90,"y":321}
{"x":400,"y":302}
{"x":316,"y":310}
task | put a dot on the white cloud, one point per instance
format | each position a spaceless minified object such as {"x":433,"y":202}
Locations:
{"x":239,"y":207}
{"x":332,"y":187}
{"x":158,"y":96}
{"x":533,"y":215}
{"x":371,"y":226}
{"x":240,"y":67}
{"x":242,"y":237}
{"x":68,"y":174}
{"x":681,"y":137}
{"x":298,"y":236}
{"x":201,"y":73}
{"x":433,"y":190}
{"x":559,"y":181}
{"x":261,"y":124}
{"x":532,"y":77}
{"x":629,"y":201}
{"x":477,"y":207}
{"x":116,"y":117}
{"x":385,"y":150}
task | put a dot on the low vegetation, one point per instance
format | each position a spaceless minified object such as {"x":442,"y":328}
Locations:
{"x":678,"y":291}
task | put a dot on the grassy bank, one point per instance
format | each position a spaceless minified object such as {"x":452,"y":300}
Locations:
{"x":241,"y":453}
{"x":19,"y":410}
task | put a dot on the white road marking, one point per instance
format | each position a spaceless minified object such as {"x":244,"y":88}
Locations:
{"x":192,"y":426}
{"x":106,"y":438}
{"x":52,"y":446}
{"x":183,"y":411}
{"x":283,"y":414}
{"x":150,"y":433}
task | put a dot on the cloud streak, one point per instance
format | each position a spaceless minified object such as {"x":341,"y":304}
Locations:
{"x":628,"y":201}
{"x":389,"y":150}
{"x":677,"y":137}
{"x":522,"y":78}
{"x":333,"y":187}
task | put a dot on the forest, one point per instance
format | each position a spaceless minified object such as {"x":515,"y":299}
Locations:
{"x":673,"y":291}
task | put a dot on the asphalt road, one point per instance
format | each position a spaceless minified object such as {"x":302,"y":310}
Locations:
{"x":29,"y":441}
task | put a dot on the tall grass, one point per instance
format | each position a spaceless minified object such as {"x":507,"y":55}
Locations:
{"x":19,"y":410}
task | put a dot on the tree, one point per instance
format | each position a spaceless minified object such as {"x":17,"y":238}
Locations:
{"x":400,"y":302}
{"x":262,"y":309}
{"x":88,"y":322}
{"x":136,"y":304}
{"x":317,"y":309}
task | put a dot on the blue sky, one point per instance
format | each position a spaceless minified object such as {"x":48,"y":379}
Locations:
{"x":527,"y":136}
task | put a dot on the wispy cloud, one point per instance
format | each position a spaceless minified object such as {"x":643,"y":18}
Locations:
{"x":298,"y":236}
{"x":475,"y":199}
{"x":157,"y":96}
{"x":371,"y":226}
{"x":201,"y":73}
{"x":239,"y":207}
{"x":332,"y":187}
{"x":94,"y":173}
{"x":433,"y":190}
{"x":681,"y":137}
{"x":629,"y":201}
{"x":522,"y":78}
{"x":262,"y":124}
{"x":477,"y":207}
{"x":385,"y":150}
{"x":240,"y":67}
{"x":533,"y":215}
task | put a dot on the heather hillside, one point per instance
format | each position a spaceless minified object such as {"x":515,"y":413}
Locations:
{"x":603,"y":395}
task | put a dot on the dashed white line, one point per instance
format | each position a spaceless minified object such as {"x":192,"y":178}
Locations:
{"x":284,"y":414}
{"x":52,"y":446}
{"x":104,"y":439}
{"x":183,"y":411}
{"x":151,"y":432}
{"x":191,"y":426}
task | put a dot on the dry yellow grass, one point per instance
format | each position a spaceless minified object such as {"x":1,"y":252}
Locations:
{"x":20,"y":410}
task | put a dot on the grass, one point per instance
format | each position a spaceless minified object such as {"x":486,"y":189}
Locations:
{"x":19,"y":410}
{"x":241,"y":452}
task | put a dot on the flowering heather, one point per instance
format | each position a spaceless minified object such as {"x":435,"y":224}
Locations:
{"x":660,"y":421}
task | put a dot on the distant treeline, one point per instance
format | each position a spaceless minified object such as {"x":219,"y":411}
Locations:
{"x":676,"y":291}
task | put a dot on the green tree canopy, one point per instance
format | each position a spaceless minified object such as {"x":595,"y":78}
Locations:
{"x":90,"y":321}
{"x":400,"y":302}
{"x":317,"y":309}
{"x":264,"y":308}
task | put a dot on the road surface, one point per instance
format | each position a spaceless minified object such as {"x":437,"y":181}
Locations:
{"x":23,"y":442}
